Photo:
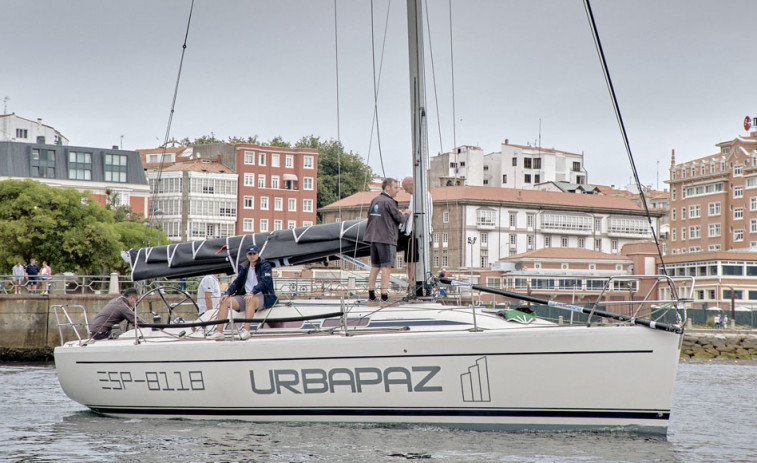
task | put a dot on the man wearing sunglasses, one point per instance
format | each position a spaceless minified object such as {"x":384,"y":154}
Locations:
{"x":249,"y":291}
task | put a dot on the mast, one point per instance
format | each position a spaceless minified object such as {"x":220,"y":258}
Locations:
{"x":421,"y":224}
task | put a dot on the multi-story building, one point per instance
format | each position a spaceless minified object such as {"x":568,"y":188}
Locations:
{"x":713,"y":200}
{"x":195,"y":200}
{"x":109,"y":174}
{"x":19,"y":129}
{"x":474,"y":227}
{"x":277,"y":187}
{"x":513,"y":166}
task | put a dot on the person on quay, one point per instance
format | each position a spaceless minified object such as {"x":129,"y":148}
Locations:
{"x":410,"y":241}
{"x":249,"y":291}
{"x":115,"y":311}
{"x":45,"y":275}
{"x":19,"y":273}
{"x":208,"y":293}
{"x":32,"y":276}
{"x":382,"y":232}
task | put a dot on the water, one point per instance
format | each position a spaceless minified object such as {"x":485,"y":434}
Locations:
{"x":714,"y":419}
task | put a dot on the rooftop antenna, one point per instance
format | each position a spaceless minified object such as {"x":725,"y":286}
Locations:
{"x":658,"y":175}
{"x":5,"y":105}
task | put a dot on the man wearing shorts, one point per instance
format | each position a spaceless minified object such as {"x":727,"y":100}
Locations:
{"x":249,"y":291}
{"x":381,"y":231}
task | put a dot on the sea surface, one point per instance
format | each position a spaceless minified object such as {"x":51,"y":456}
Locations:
{"x":714,"y":419}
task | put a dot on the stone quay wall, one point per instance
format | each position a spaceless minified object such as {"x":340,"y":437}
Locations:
{"x":726,"y":344}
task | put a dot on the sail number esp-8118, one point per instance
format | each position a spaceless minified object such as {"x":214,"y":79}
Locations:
{"x":152,"y":380}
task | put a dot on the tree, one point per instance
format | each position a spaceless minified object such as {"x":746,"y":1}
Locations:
{"x":279,"y":142}
{"x":209,"y":139}
{"x":353,"y":174}
{"x":63,"y":226}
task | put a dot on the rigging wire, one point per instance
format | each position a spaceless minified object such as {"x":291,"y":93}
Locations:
{"x":433,"y":79}
{"x":619,"y":117}
{"x":170,"y":116}
{"x":338,"y":124}
{"x":452,"y":73}
{"x":375,"y":88}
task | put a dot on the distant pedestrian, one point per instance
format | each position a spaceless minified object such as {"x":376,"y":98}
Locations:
{"x":19,"y":273}
{"x":208,"y":293}
{"x":32,"y":275}
{"x":716,"y":320}
{"x":45,"y":275}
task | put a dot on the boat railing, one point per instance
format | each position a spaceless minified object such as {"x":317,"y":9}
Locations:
{"x":63,"y":318}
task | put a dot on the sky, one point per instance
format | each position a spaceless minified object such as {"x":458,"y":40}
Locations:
{"x":103,"y":73}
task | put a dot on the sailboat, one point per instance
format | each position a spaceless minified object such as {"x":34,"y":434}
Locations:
{"x":412,"y":362}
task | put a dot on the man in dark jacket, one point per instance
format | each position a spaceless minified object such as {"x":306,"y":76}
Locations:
{"x":381,"y":231}
{"x":115,"y":311}
{"x":248,"y":292}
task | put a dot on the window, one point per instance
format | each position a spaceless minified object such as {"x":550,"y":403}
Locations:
{"x":486,"y":181}
{"x":695,"y":211}
{"x":530,"y":220}
{"x":581,"y":243}
{"x":445,"y":239}
{"x":598,"y":225}
{"x":249,"y":158}
{"x":683,"y":233}
{"x":79,"y":166}
{"x":738,"y":213}
{"x":484,"y":239}
{"x":248,"y":225}
{"x":261,"y":159}
{"x":275,"y":182}
{"x":277,"y":224}
{"x":261,"y":181}
{"x":529,"y":241}
{"x":444,"y":261}
{"x":598,"y":244}
{"x":614,"y":245}
{"x":307,"y":162}
{"x":537,"y":163}
{"x":683,"y":213}
{"x":673,"y":193}
{"x":537,"y":178}
{"x":485,"y":217}
{"x":292,"y":204}
{"x":753,"y":203}
{"x":436,"y":261}
{"x":695,"y":232}
{"x":263,"y":204}
{"x":249,"y":202}
{"x":526,"y":178}
{"x":738,"y":235}
{"x":753,"y":226}
{"x":289,"y":160}
{"x":307,"y":183}
{"x":513,"y":239}
{"x":547,"y":241}
{"x":278,"y":204}
{"x":263,"y":225}
{"x":737,"y":170}
{"x":307,"y":205}
{"x":504,"y":178}
{"x":672,"y":234}
{"x":515,"y":161}
{"x":564,"y":242}
{"x":22,"y":133}
{"x":513,"y":220}
{"x":445,"y":216}
{"x":673,"y":214}
{"x":713,"y":209}
{"x":526,"y":163}
{"x":738,"y":192}
{"x":576,"y":167}
{"x":435,"y":239}
{"x":484,"y":259}
{"x":115,"y":168}
{"x":291,"y":224}
{"x":714,"y":230}
{"x":275,"y":160}
{"x":249,"y":179}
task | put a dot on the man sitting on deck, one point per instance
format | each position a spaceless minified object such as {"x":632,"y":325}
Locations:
{"x":249,"y":291}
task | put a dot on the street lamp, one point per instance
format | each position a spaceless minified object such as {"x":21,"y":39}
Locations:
{"x":471,"y":241}
{"x":159,"y":214}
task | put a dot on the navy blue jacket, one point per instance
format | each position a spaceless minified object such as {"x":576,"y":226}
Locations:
{"x":265,"y":282}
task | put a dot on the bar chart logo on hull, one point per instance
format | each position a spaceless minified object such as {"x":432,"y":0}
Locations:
{"x":475,"y":383}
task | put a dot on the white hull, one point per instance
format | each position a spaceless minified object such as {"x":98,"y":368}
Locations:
{"x":506,"y":376}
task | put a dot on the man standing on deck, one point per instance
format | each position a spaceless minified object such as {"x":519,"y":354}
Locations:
{"x":411,"y":240}
{"x":382,"y":232}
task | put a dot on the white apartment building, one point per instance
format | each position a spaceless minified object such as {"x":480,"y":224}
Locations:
{"x":514,"y":166}
{"x":195,"y":200}
{"x":19,"y":129}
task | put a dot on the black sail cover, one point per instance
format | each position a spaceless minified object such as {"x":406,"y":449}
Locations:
{"x":296,"y":246}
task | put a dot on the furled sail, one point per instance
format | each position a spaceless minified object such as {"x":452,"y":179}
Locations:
{"x":296,"y":246}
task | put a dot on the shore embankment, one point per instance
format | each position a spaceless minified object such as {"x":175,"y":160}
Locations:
{"x":29,"y":328}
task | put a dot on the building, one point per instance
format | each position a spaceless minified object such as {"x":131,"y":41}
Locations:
{"x":713,"y":199}
{"x":474,"y":227}
{"x":19,"y":129}
{"x":513,"y":166}
{"x":195,"y":200}
{"x":277,"y":187}
{"x":103,"y":172}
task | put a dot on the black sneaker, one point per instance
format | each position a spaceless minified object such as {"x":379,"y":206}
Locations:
{"x":371,"y":295}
